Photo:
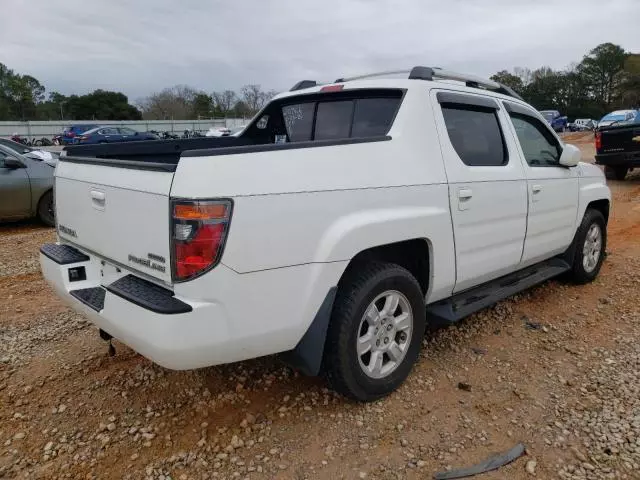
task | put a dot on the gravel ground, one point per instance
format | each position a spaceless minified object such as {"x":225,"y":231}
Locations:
{"x":557,"y":368}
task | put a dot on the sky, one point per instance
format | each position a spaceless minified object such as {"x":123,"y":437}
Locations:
{"x":142,"y":46}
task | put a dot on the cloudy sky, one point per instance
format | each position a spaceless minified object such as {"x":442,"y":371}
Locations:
{"x":141,"y":46}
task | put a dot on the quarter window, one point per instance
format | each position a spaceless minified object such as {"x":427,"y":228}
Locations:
{"x":475,"y":135}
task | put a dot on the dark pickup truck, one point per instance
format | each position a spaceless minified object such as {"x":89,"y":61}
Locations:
{"x":618,"y":148}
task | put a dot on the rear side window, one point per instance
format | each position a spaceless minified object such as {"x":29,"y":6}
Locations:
{"x":475,"y":135}
{"x":341,"y":116}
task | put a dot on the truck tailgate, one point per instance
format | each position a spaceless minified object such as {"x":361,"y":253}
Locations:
{"x":620,"y":139}
{"x":120,"y":214}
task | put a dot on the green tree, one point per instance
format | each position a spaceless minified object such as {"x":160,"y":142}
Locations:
{"x":602,"y":71}
{"x":510,"y":80}
{"x":202,"y":106}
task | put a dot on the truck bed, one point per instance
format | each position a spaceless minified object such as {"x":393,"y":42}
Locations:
{"x":157,"y":152}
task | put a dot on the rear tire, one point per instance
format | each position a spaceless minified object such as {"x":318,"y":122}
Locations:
{"x":46,"y":210}
{"x":371,"y":344}
{"x":615,"y":173}
{"x":590,"y":247}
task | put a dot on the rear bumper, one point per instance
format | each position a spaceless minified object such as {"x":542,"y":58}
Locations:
{"x":189,"y":339}
{"x":621,"y":159}
{"x":246,"y":316}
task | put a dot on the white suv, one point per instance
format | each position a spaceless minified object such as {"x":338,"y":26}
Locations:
{"x":342,"y":220}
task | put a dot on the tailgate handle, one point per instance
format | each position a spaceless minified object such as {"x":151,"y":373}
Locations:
{"x":98,"y":198}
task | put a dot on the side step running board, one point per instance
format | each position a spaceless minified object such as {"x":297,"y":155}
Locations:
{"x":470,"y":301}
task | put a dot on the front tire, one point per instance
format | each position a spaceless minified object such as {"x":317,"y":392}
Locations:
{"x":375,"y":331}
{"x":615,"y":173}
{"x":46,"y":210}
{"x":590,"y":247}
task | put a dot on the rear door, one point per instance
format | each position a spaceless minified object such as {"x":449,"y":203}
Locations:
{"x":552,"y":189}
{"x":126,"y":134}
{"x":15,"y":190}
{"x":487,"y":189}
{"x":119,"y":214}
{"x":109,"y":135}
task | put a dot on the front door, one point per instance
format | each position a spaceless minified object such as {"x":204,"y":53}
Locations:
{"x":553,"y":190}
{"x":487,"y":189}
{"x":15,"y":191}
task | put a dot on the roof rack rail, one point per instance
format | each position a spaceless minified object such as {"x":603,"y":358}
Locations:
{"x":303,"y":84}
{"x":432,"y":73}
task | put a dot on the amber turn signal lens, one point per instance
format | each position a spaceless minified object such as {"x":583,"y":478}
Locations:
{"x":200,"y":212}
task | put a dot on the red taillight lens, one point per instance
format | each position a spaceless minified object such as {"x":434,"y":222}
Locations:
{"x":598,"y":140}
{"x":199,"y":229}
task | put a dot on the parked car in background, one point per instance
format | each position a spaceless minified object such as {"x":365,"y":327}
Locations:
{"x":108,"y":134}
{"x":70,"y":133}
{"x":26,"y":187}
{"x":617,"y":117}
{"x":30,"y":152}
{"x":557,"y":121}
{"x":218,"y":132}
{"x":618,"y":146}
{"x":581,"y":125}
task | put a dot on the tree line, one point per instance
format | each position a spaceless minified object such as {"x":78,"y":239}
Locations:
{"x":185,"y":103}
{"x":606,"y":79}
{"x":22,"y":97}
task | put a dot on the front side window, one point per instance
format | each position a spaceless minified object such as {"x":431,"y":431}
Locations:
{"x":127,"y":131}
{"x":475,"y":135}
{"x":540,"y":147}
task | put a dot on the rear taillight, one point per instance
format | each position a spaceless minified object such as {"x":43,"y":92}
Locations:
{"x":82,"y":138}
{"x":598,"y":140}
{"x":199,"y":229}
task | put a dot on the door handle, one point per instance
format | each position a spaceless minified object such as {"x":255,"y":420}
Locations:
{"x":465,"y":193}
{"x":98,"y":199}
{"x":536,"y":188}
{"x":464,"y":196}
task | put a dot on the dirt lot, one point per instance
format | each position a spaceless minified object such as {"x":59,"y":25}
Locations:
{"x":557,"y":368}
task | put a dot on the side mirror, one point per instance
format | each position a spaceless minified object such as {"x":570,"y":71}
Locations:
{"x":13,"y":163}
{"x":570,"y":156}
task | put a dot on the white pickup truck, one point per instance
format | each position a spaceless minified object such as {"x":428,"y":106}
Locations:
{"x":341,"y":221}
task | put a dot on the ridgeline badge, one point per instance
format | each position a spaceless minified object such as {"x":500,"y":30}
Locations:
{"x":147,"y":262}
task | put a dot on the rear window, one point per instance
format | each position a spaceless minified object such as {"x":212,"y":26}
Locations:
{"x":333,"y":120}
{"x":341,"y":116}
{"x":298,"y":120}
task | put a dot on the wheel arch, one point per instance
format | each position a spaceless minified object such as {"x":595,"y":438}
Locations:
{"x":603,"y":205}
{"x":413,"y":254}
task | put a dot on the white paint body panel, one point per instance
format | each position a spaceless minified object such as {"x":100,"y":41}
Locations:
{"x":299,"y":217}
{"x":489,"y":211}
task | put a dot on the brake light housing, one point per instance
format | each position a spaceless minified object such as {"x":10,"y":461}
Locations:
{"x":598,"y":140}
{"x":199,"y":230}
